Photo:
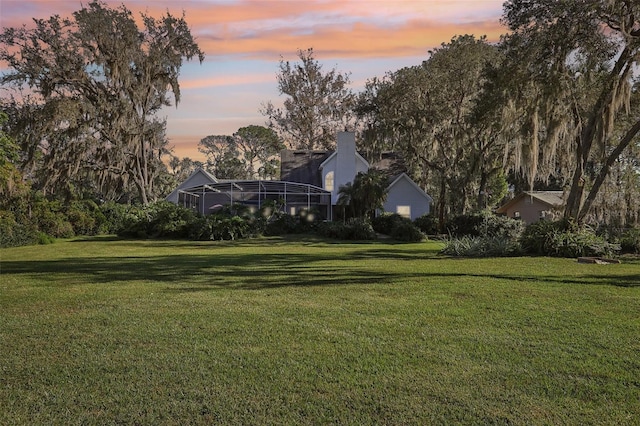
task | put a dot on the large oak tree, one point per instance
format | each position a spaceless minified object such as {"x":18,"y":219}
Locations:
{"x":572,"y":68}
{"x":88,"y":89}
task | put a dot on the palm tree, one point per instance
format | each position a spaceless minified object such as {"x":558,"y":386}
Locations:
{"x":367,"y":193}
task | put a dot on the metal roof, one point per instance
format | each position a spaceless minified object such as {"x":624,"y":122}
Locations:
{"x":258,"y":187}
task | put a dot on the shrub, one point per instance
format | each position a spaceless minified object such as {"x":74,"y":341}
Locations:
{"x":158,"y":220}
{"x":281,"y":224}
{"x":481,"y":247}
{"x":13,"y":233}
{"x":630,"y":241}
{"x":115,"y":215}
{"x":385,"y":222}
{"x":485,"y":224}
{"x":85,"y":217}
{"x":428,"y":224}
{"x":397,"y":227}
{"x":221,"y":227}
{"x":406,"y":231}
{"x":49,"y":218}
{"x":561,"y":240}
{"x":354,"y":229}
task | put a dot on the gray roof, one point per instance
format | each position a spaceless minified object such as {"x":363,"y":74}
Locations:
{"x":302,"y":166}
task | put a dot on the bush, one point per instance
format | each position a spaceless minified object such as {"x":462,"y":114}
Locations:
{"x":49,"y":218}
{"x":485,"y":224}
{"x":115,"y":215}
{"x":481,"y":247}
{"x":428,"y":224}
{"x":354,"y":229}
{"x":221,"y":227}
{"x":406,"y":231}
{"x":630,"y":241}
{"x":281,"y":224}
{"x":85,"y":217}
{"x":13,"y":234}
{"x":397,"y":227}
{"x":158,"y":220}
{"x":561,"y":240}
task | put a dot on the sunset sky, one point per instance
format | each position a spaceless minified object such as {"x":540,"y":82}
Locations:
{"x":244,"y":40}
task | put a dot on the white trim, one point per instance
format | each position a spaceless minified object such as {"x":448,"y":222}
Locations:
{"x":415,"y":185}
{"x":324,"y":163}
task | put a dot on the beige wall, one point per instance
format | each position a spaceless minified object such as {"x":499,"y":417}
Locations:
{"x":529,"y":209}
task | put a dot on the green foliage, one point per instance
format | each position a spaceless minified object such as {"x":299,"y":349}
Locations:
{"x":317,"y":104}
{"x":158,"y":220}
{"x":485,"y":224}
{"x":406,"y":231}
{"x":14,"y":233}
{"x":353,"y":229}
{"x":98,"y":75}
{"x":397,"y":227}
{"x":49,"y":217}
{"x":561,"y":240}
{"x":365,"y":195}
{"x":630,"y":241}
{"x":221,"y":227}
{"x":427,"y":223}
{"x":481,"y":246}
{"x":86,"y":217}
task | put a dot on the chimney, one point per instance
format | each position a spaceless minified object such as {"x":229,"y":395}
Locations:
{"x":345,"y":160}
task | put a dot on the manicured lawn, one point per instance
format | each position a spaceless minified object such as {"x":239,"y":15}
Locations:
{"x":294,"y":331}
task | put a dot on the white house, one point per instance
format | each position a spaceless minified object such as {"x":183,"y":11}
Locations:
{"x":331,"y":170}
{"x":308,"y":179}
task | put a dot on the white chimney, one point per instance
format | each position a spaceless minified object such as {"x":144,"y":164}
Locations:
{"x":345,"y":160}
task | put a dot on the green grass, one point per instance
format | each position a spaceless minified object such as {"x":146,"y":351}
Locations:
{"x":293,"y":331}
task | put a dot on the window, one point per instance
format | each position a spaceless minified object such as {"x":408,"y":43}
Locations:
{"x":516,"y":215}
{"x":404,"y":211}
{"x":328,"y":181}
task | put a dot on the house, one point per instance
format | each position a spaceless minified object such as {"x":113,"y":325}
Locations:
{"x":204,"y":193}
{"x":309,"y":179}
{"x":531,"y":206}
{"x":332,"y":169}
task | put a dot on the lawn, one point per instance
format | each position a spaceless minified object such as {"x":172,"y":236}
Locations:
{"x":298,"y":331}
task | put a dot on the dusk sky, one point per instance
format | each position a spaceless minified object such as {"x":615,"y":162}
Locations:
{"x":243,"y":41}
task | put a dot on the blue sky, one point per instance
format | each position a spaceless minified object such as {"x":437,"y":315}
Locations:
{"x":244,"y":40}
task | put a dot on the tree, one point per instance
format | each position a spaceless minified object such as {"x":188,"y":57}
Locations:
{"x":259,"y":148}
{"x":318,"y":104}
{"x":429,"y":113}
{"x":10,"y":177}
{"x":365,"y":194}
{"x":97,"y":82}
{"x":571,"y":65}
{"x":250,"y":153}
{"x":223,"y":158}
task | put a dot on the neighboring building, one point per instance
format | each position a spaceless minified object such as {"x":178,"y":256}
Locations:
{"x":309,"y":179}
{"x":531,"y":206}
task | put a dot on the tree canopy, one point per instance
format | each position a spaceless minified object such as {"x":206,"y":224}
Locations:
{"x":572,"y":70}
{"x":317,"y":104}
{"x":250,"y":153}
{"x":87,"y":91}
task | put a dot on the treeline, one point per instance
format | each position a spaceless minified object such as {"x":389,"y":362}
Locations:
{"x":554,"y":105}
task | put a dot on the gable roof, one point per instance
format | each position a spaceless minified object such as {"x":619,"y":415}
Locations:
{"x":553,"y":199}
{"x":404,"y":176}
{"x":302,"y":166}
{"x":305,"y":166}
{"x":199,"y":177}
{"x":334,"y":153}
